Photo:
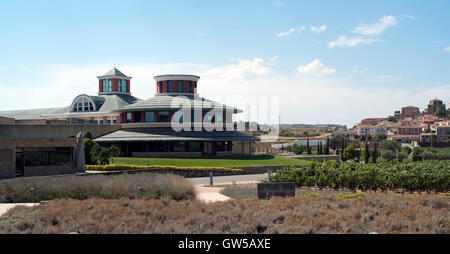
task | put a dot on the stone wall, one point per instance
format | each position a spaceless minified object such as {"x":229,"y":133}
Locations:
{"x":53,"y":131}
{"x":268,"y":190}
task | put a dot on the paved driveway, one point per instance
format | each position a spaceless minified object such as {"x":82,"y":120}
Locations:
{"x":227,"y":179}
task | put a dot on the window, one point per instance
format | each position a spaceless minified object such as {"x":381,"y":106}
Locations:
{"x":180,"y":86}
{"x":47,"y":156}
{"x":129,"y":117}
{"x":105,"y":87}
{"x":189,"y":87}
{"x":161,"y":87}
{"x":149,"y":117}
{"x":179,"y":146}
{"x":164,"y":116}
{"x":169,"y":86}
{"x":119,"y":85}
{"x":82,"y":103}
{"x":219,"y":117}
{"x":137,"y":117}
{"x":194,"y":146}
{"x":123,"y":85}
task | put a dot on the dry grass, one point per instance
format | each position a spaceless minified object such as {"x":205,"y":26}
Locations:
{"x":380,"y":213}
{"x":144,"y":186}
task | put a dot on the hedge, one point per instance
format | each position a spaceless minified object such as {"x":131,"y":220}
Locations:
{"x":119,"y":167}
{"x":411,"y":176}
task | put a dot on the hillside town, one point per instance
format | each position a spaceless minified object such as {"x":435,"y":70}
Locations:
{"x":429,"y":128}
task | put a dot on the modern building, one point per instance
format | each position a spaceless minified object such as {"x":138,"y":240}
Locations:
{"x":145,"y":128}
{"x":205,"y":127}
{"x":113,"y":93}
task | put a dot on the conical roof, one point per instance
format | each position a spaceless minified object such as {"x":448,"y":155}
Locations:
{"x":114,"y":72}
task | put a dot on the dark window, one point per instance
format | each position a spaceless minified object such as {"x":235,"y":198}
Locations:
{"x":194,"y":146}
{"x":161,"y":87}
{"x":180,"y":86}
{"x":169,"y":86}
{"x":189,"y":87}
{"x":47,"y":156}
{"x":179,"y":147}
{"x":164,"y":116}
{"x":149,"y":116}
{"x":137,"y":117}
{"x":129,"y":117}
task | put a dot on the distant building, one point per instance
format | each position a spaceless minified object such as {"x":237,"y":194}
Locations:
{"x":365,"y":130}
{"x":429,"y":119}
{"x":409,"y":130}
{"x":434,"y":105}
{"x":410,"y":111}
{"x":371,"y":121}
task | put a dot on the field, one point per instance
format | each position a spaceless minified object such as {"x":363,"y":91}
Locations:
{"x":246,"y":161}
{"x":143,"y":186}
{"x":308,"y":214}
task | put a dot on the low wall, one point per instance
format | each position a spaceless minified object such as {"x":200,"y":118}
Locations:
{"x":166,"y":154}
{"x":268,"y":190}
{"x":49,"y":170}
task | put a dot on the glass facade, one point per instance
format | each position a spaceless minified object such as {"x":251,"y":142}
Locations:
{"x":47,"y":156}
{"x":179,"y":146}
{"x":149,"y":117}
{"x":189,"y":88}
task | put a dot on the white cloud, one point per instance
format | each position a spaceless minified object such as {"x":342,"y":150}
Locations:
{"x":343,"y":41}
{"x":318,"y":29}
{"x":359,"y":70}
{"x":447,"y":49}
{"x":290,"y":31}
{"x":376,"y":28}
{"x":314,"y":68}
{"x":242,"y":68}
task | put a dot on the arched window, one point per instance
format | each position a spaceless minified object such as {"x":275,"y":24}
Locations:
{"x":82,"y":103}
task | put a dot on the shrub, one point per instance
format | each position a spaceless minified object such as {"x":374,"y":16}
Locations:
{"x":120,"y":167}
{"x":388,"y":155}
{"x":390,"y":145}
{"x":144,"y":185}
{"x":401,"y":156}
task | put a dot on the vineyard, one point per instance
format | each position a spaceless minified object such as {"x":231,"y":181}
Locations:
{"x":423,"y":176}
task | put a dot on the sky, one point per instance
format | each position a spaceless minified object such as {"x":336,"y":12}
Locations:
{"x":327,"y":61}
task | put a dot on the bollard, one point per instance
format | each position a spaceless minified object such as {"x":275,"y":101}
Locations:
{"x":210,"y":179}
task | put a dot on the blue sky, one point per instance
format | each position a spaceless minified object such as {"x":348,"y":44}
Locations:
{"x":398,"y":51}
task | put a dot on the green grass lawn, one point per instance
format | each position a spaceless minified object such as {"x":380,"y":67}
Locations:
{"x":246,"y":161}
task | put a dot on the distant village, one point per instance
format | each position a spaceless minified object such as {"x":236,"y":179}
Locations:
{"x":428,"y":128}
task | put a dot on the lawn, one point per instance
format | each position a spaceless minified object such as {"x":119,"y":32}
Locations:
{"x":246,"y":161}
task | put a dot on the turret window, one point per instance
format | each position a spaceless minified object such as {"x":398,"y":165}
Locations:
{"x":82,"y":104}
{"x":169,"y":86}
{"x":123,"y":85}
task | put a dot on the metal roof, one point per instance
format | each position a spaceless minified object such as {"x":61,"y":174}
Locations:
{"x":169,"y":102}
{"x":168,"y":134}
{"x":115,"y":72}
{"x":33,"y":113}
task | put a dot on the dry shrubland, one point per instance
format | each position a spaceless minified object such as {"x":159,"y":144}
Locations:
{"x":380,"y":213}
{"x":143,"y":186}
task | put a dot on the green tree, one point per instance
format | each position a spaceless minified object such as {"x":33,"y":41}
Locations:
{"x":366,"y":153}
{"x":88,"y":144}
{"x":327,"y":147}
{"x":308,"y":148}
{"x":101,"y":155}
{"x":349,"y":153}
{"x":380,"y":137}
{"x":388,"y":155}
{"x":390,"y":145}
{"x":374,"y":153}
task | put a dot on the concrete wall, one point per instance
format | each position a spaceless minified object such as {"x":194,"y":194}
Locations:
{"x":267,"y":190}
{"x":7,"y":163}
{"x":53,"y":131}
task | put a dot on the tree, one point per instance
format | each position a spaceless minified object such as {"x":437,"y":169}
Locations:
{"x":374,"y":154}
{"x":308,"y":148}
{"x":327,"y":147}
{"x":380,"y":137}
{"x":349,"y":153}
{"x":88,"y":144}
{"x":101,"y":155}
{"x":390,"y":145}
{"x":366,"y":154}
{"x":388,"y":155}
{"x":319,"y":148}
{"x":401,"y":156}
